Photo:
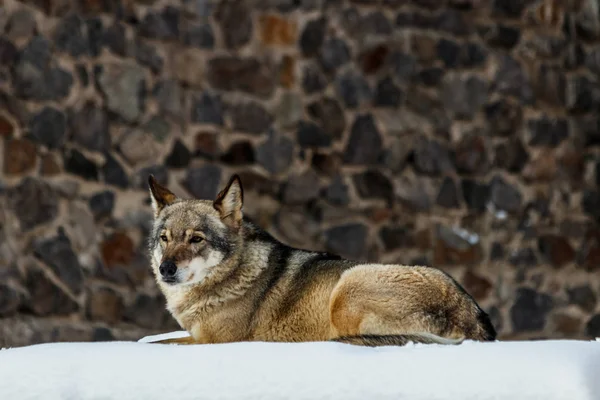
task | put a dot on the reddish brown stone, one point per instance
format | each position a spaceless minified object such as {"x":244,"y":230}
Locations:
{"x":105,"y":304}
{"x":6,"y":127}
{"x":206,"y":145}
{"x":556,"y":249}
{"x":327,"y":164}
{"x":422,"y":239}
{"x":49,"y":166}
{"x":373,"y":59}
{"x":471,"y":155}
{"x":117,"y":250}
{"x":286,"y":71}
{"x":424,"y":47}
{"x":590,"y":251}
{"x":541,"y":167}
{"x":568,"y":325}
{"x":19,"y":156}
{"x":477,"y":286}
{"x":572,"y":163}
{"x":277,"y":31}
{"x":378,"y":215}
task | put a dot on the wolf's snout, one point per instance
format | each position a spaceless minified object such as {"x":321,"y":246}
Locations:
{"x":168,"y":269}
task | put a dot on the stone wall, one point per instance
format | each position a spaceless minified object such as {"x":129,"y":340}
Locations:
{"x":461,"y":134}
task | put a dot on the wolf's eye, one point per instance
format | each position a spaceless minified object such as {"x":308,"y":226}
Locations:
{"x":195,"y":239}
{"x":164,"y":238}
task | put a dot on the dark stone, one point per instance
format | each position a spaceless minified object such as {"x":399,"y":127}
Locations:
{"x":504,"y":117}
{"x":301,"y":188}
{"x":247,"y":75}
{"x":364,"y":145}
{"x":510,"y":8}
{"x":57,"y":253}
{"x":334,"y":53}
{"x":430,"y":157}
{"x":496,"y":252}
{"x":503,"y":37}
{"x":206,"y":145}
{"x":83,"y":75}
{"x":523,"y":258}
{"x":448,"y":196}
{"x":583,"y":296}
{"x":102,"y":334}
{"x":431,"y":76}
{"x":146,"y":311}
{"x":200,"y":36}
{"x":163,"y":26}
{"x":511,"y":80}
{"x":239,"y":153}
{"x":471,"y":155}
{"x":276,"y":153}
{"x":327,"y":164}
{"x":347,"y":240}
{"x":337,"y":192}
{"x":404,"y":66}
{"x":8,"y":52}
{"x":592,"y":328}
{"x":575,"y":56}
{"x":556,"y":249}
{"x":203,"y":182}
{"x":76,"y":163}
{"x":464,"y":97}
{"x":312,"y":37}
{"x":113,"y":172}
{"x":530,"y":310}
{"x":511,"y":155}
{"x":10,"y":300}
{"x":353,"y":89}
{"x":147,"y":55}
{"x":95,"y":31}
{"x":454,"y":22}
{"x":311,"y":135}
{"x":45,"y":298}
{"x":397,"y":154}
{"x":372,"y":184}
{"x":395,"y":237}
{"x":70,"y":36}
{"x":250,"y":116}
{"x":476,"y":194}
{"x":449,"y":52}
{"x":180,"y":155}
{"x":329,"y":116}
{"x":235,"y":20}
{"x":472,"y":55}
{"x":313,"y":80}
{"x":33,"y":202}
{"x":388,"y":94}
{"x":547,"y":132}
{"x":37,"y":52}
{"x":505,"y":196}
{"x":550,"y":84}
{"x":168,"y":95}
{"x":591,"y":203}
{"x":583,"y":94}
{"x":89,"y":127}
{"x":102,"y":204}
{"x":115,"y":38}
{"x":415,"y":19}
{"x":207,"y":109}
{"x":48,"y":127}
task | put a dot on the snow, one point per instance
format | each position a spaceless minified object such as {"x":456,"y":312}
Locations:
{"x":554,"y":369}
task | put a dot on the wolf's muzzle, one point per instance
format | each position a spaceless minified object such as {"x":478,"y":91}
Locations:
{"x":167,"y":270}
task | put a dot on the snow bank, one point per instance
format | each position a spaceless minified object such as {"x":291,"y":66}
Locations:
{"x":559,"y":369}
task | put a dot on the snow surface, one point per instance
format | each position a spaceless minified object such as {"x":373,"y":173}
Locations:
{"x":548,"y":370}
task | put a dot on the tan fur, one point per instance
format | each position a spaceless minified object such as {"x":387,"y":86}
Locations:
{"x":262,"y":290}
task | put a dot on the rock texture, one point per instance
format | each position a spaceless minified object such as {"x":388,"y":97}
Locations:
{"x":462,"y":135}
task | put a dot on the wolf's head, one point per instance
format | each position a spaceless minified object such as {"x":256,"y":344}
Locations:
{"x":192,"y":237}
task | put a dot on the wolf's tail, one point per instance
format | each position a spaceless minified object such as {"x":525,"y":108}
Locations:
{"x":396,"y":340}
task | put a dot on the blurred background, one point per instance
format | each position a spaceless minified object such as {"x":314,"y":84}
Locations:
{"x":460,"y":134}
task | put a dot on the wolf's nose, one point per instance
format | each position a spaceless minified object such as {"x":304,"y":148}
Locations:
{"x":167,"y":269}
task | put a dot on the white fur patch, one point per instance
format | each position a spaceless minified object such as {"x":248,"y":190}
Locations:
{"x":199,"y":267}
{"x":157,"y":254}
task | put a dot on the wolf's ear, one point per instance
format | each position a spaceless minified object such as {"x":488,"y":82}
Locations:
{"x":160,"y":195}
{"x":229,"y":202}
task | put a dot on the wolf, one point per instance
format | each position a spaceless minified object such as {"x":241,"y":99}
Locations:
{"x":225,"y":279}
